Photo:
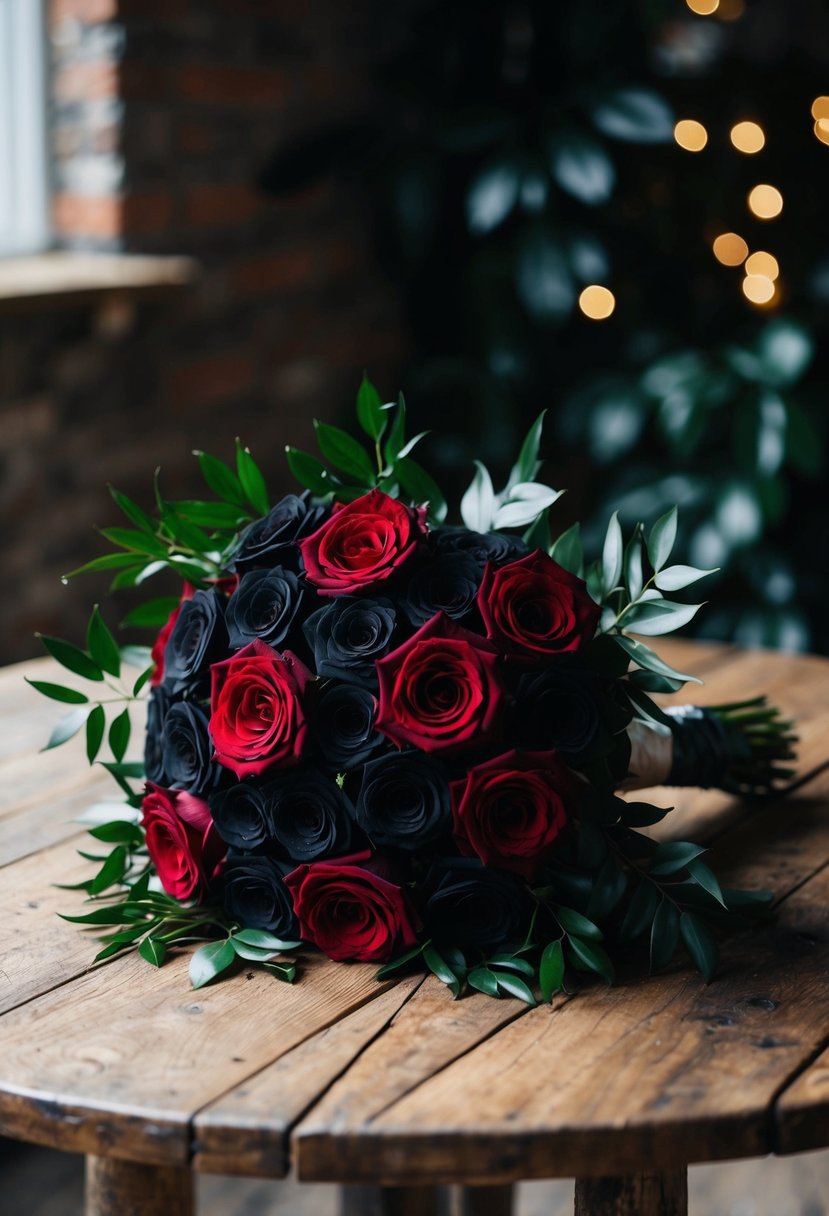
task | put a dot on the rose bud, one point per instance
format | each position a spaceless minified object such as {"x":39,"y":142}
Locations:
{"x":350,"y":911}
{"x":468,"y":905}
{"x":404,"y":801}
{"x":198,"y":639}
{"x":271,"y":541}
{"x":257,"y":717}
{"x":446,"y":583}
{"x":241,"y":815}
{"x":482,"y":547}
{"x":343,"y":727}
{"x":440,"y":689}
{"x":255,"y":895}
{"x":347,"y":636}
{"x":182,"y":841}
{"x":534,"y":608}
{"x":187,"y":750}
{"x":310,"y":816}
{"x":264,"y":606}
{"x":510,"y":811}
{"x":362,"y":544}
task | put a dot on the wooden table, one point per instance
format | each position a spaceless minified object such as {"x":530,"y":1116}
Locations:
{"x":394,"y":1085}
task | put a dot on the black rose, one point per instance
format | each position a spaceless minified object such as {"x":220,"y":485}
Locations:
{"x":158,"y":706}
{"x":448,"y":583}
{"x":271,"y":541}
{"x":348,"y":635}
{"x":256,"y":896}
{"x":199,"y":638}
{"x":264,"y":606}
{"x":309,"y":815}
{"x":496,"y":547}
{"x":343,"y":726}
{"x":187,"y":750}
{"x":404,"y":800}
{"x":468,"y":904}
{"x":241,"y":815}
{"x":561,"y":708}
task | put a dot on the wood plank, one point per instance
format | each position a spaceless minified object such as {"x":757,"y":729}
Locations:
{"x":122,"y":1188}
{"x":122,"y":1057}
{"x":39,"y":825}
{"x":424,"y":1035}
{"x":662,"y":1071}
{"x":801,"y":1113}
{"x":634,"y":1195}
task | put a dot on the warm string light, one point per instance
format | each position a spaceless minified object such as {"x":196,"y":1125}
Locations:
{"x":730,"y":249}
{"x":822,"y":130}
{"x":703,"y":8}
{"x":748,"y":137}
{"x":690,"y":135}
{"x":820,"y":108}
{"x":764,"y":201}
{"x":758,"y":288}
{"x":762,"y":263}
{"x":597,"y":302}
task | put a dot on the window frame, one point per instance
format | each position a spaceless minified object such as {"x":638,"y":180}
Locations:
{"x":24,"y":163}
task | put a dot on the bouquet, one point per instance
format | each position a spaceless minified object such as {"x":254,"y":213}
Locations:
{"x":399,"y":740}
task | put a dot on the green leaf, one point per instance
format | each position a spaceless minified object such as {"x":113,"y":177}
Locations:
{"x":252,"y":953}
{"x":537,"y":535}
{"x":651,"y":682}
{"x":647,"y":658}
{"x":152,"y":614}
{"x":109,"y":561}
{"x":640,"y":911}
{"x":69,"y":696}
{"x":111,"y":872}
{"x":282,"y":971}
{"x":137,"y":656}
{"x":644,"y":707}
{"x":551,"y":971}
{"x":527,"y":465}
{"x":264,"y":940}
{"x":659,"y":616}
{"x":587,"y":956}
{"x":513,"y":985}
{"x":664,"y":935}
{"x":118,"y":831}
{"x":209,"y":961}
{"x":438,"y":966}
{"x":310,"y":472}
{"x":661,"y":539}
{"x":224,"y":516}
{"x":153,"y":950}
{"x":95,"y":726}
{"x":635,"y":115}
{"x":370,"y":413}
{"x":395,"y":964}
{"x":674,"y":856}
{"x":110,"y":950}
{"x":133,"y":512}
{"x":251,"y":479}
{"x":608,"y":889}
{"x":491,"y":196}
{"x":221,"y":479}
{"x":582,"y":167}
{"x":632,"y":564}
{"x":397,"y":434}
{"x":72,"y":658}
{"x":142,"y":680}
{"x":573,"y":922}
{"x":512,"y":964}
{"x":102,"y":645}
{"x":345,"y":453}
{"x":612,"y":554}
{"x":643,"y":814}
{"x":700,"y":944}
{"x":478,"y":502}
{"x":568,"y":551}
{"x":114,"y":914}
{"x":421,"y":488}
{"x":705,"y":878}
{"x":674,"y":578}
{"x":119,"y":734}
{"x":527,"y":499}
{"x":484,"y":980}
{"x":135,"y":541}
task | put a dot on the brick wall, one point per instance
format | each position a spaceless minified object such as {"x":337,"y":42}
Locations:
{"x":163,"y":115}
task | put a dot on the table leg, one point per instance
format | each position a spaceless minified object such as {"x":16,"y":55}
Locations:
{"x":480,"y":1201}
{"x":426,"y":1201}
{"x":651,"y":1194}
{"x":126,"y":1188}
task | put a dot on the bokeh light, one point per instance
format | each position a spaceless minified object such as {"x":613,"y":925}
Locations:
{"x":758,"y":288}
{"x":730,"y":10}
{"x":730,"y":249}
{"x":597,"y":302}
{"x":822,"y":130}
{"x":690,"y":135}
{"x":765,"y":201}
{"x":748,"y":137}
{"x":820,"y":107}
{"x":763,"y":263}
{"x":703,"y":8}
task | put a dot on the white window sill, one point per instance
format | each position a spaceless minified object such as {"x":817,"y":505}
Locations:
{"x":46,"y":280}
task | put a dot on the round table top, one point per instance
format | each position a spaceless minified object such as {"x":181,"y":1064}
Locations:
{"x":353,"y":1080}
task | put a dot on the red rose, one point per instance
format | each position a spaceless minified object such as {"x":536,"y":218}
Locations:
{"x":182,"y":841}
{"x":510,"y":810}
{"x":534,"y":607}
{"x":362,"y":544}
{"x":160,"y":643}
{"x":256,"y":709}
{"x":350,"y":911}
{"x":440,"y":689}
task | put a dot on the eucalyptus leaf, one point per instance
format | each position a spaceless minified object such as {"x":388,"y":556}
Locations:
{"x":551,"y":971}
{"x":484,"y":980}
{"x":575,"y":923}
{"x":527,"y":465}
{"x":659,"y":616}
{"x":706,"y":878}
{"x":612,"y":554}
{"x":582,"y":167}
{"x":153,"y":950}
{"x":647,"y":658}
{"x":478,"y":502}
{"x":674,"y":578}
{"x":513,"y":985}
{"x":492,"y":196}
{"x":636,"y":115}
{"x":661,"y":539}
{"x":209,"y":961}
{"x":263,"y":940}
{"x":589,"y":956}
{"x":699,"y":943}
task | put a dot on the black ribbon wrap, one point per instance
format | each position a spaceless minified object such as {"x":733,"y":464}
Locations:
{"x":703,"y":747}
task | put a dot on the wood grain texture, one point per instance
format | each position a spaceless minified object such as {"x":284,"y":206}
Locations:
{"x":802,"y":1110}
{"x":122,"y":1188}
{"x":634,"y":1195}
